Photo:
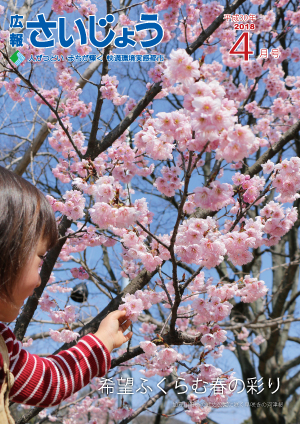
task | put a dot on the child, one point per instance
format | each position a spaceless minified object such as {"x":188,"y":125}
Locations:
{"x":27,"y":231}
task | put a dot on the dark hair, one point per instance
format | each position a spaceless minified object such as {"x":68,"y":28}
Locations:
{"x":25,"y":216}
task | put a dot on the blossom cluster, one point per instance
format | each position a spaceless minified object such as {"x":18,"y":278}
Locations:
{"x":73,"y":207}
{"x":105,"y":215}
{"x":109,"y":90}
{"x":170,"y":182}
{"x":11,"y":89}
{"x":65,"y":336}
{"x":68,"y":315}
{"x":79,"y":273}
{"x":214,"y":197}
{"x":161,"y":362}
{"x":251,"y":186}
{"x":62,"y":144}
{"x":287,"y":179}
{"x":277,"y":223}
{"x":208,"y":114}
{"x":135,"y":304}
{"x":198,"y":241}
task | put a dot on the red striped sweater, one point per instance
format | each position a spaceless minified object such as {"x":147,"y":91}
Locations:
{"x":47,"y":381}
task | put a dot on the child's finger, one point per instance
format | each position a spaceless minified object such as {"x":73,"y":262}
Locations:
{"x":128,"y":336}
{"x":125,"y":325}
{"x":122,"y":320}
{"x":118,"y":314}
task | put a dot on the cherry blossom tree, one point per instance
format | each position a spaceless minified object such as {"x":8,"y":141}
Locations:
{"x":181,"y":176}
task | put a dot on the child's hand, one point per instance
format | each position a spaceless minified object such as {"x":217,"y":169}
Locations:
{"x":111,"y":330}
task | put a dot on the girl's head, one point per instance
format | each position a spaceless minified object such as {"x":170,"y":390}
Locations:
{"x":27,"y":226}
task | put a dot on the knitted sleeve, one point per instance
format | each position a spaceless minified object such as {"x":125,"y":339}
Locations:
{"x":47,"y":381}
